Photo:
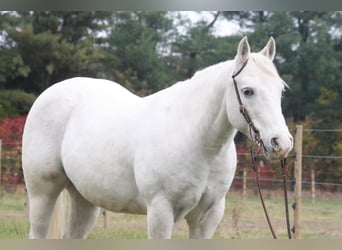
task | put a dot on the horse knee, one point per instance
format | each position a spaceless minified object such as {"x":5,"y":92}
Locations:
{"x":205,"y":226}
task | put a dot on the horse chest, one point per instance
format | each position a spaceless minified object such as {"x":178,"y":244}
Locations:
{"x":188,"y":184}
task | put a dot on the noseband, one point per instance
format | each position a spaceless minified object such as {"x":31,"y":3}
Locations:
{"x":257,"y":139}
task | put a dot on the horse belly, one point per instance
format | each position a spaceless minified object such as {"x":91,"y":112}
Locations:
{"x":101,"y":168}
{"x":117,"y":193}
{"x":107,"y":183}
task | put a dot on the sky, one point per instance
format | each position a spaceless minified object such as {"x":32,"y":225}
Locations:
{"x":222,"y":27}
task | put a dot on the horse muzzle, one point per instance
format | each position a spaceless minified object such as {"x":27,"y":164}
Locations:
{"x":276,"y":147}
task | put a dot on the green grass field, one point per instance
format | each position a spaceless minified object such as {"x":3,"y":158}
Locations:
{"x":243,"y":219}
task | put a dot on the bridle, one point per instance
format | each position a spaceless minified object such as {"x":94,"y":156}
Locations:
{"x":244,"y":112}
{"x":257,"y":140}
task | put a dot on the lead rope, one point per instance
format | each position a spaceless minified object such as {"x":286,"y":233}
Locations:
{"x":256,"y":170}
{"x":285,"y":173}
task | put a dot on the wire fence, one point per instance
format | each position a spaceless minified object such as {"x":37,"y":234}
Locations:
{"x":11,"y":172}
{"x":273,"y":183}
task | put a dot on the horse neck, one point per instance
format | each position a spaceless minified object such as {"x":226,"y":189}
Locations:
{"x":202,"y":100}
{"x":220,"y":131}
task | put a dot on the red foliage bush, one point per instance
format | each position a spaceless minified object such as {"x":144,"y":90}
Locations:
{"x":11,"y":131}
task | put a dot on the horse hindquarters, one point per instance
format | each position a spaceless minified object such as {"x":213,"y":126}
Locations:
{"x":43,"y":170}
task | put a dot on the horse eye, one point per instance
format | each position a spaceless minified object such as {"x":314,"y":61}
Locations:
{"x":248,"y":91}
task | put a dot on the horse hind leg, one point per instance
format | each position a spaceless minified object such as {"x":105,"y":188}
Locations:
{"x":83,"y":215}
{"x":43,"y":193}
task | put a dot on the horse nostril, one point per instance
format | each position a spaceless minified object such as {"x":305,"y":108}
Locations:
{"x":274,"y":142}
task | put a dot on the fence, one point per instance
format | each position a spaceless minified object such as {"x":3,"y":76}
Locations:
{"x":11,"y":173}
{"x":310,"y":188}
{"x":11,"y":176}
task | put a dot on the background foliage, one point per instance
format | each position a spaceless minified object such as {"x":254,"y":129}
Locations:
{"x":148,"y":51}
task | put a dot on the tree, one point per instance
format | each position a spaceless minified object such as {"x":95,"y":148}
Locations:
{"x":14,"y":103}
{"x":41,"y":48}
{"x":133,"y":46}
{"x":199,"y":48}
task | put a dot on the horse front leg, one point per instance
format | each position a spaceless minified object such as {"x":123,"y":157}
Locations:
{"x":205,"y":226}
{"x":160,"y":218}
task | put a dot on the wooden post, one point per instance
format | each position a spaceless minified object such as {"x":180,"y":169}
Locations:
{"x":57,"y":225}
{"x":298,"y":178}
{"x":27,"y":204}
{"x":244,"y":183}
{"x":105,"y":218}
{"x":313,"y":186}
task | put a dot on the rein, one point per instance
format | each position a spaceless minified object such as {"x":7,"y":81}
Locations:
{"x":257,"y":139}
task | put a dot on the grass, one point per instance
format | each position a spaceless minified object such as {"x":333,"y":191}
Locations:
{"x":243,"y":219}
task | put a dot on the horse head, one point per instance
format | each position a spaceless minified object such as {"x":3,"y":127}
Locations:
{"x":254,"y":100}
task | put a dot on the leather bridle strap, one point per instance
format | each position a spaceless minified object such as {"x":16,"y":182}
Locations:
{"x":244,"y":112}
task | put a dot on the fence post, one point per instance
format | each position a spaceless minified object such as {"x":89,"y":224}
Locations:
{"x":105,"y":214}
{"x":313,"y":187}
{"x":298,"y":178}
{"x":57,"y":225}
{"x":244,"y":183}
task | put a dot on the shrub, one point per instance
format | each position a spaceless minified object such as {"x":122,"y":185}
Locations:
{"x":14,"y":103}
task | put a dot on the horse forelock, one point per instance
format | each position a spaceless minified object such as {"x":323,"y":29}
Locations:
{"x":267,"y":66}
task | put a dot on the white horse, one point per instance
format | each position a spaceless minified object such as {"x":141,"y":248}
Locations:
{"x":170,"y":155}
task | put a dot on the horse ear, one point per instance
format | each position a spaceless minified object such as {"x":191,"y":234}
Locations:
{"x":243,"y":51}
{"x":270,"y":49}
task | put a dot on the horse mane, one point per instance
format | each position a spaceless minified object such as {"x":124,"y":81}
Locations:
{"x":212,"y":70}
